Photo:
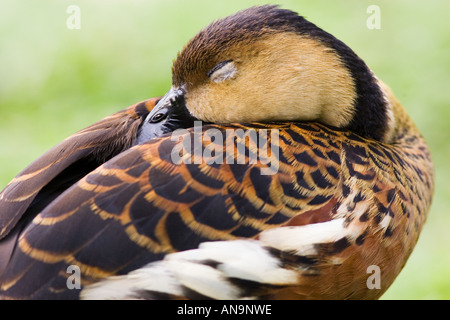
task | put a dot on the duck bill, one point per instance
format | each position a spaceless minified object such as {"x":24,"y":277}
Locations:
{"x":173,"y":104}
{"x":173,"y":100}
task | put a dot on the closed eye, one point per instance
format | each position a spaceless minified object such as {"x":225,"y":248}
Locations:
{"x":222,"y":71}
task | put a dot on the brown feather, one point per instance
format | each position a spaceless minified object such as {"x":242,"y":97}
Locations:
{"x":99,"y":142}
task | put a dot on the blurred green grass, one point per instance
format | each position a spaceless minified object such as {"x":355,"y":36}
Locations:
{"x":55,"y":81}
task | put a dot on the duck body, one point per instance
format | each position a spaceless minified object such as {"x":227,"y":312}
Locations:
{"x":340,"y":200}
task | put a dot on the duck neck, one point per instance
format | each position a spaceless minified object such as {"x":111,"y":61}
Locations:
{"x":399,"y":124}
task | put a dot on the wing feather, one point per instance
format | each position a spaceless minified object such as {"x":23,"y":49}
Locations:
{"x":89,"y":148}
{"x":141,"y":205}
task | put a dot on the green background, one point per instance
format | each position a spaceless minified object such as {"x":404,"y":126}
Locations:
{"x":55,"y":81}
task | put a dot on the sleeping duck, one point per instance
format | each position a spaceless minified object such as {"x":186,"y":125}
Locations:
{"x":109,"y":213}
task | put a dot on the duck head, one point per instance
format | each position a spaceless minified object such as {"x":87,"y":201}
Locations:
{"x":266,"y":64}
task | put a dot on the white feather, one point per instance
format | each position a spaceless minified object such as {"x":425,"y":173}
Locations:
{"x":242,"y":259}
{"x":208,"y":270}
{"x":302,"y":239}
{"x":158,"y":278}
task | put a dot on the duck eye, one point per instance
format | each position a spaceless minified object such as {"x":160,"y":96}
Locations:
{"x":222,"y":71}
{"x":158,"y":117}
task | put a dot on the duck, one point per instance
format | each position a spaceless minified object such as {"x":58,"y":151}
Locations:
{"x":149,"y":204}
